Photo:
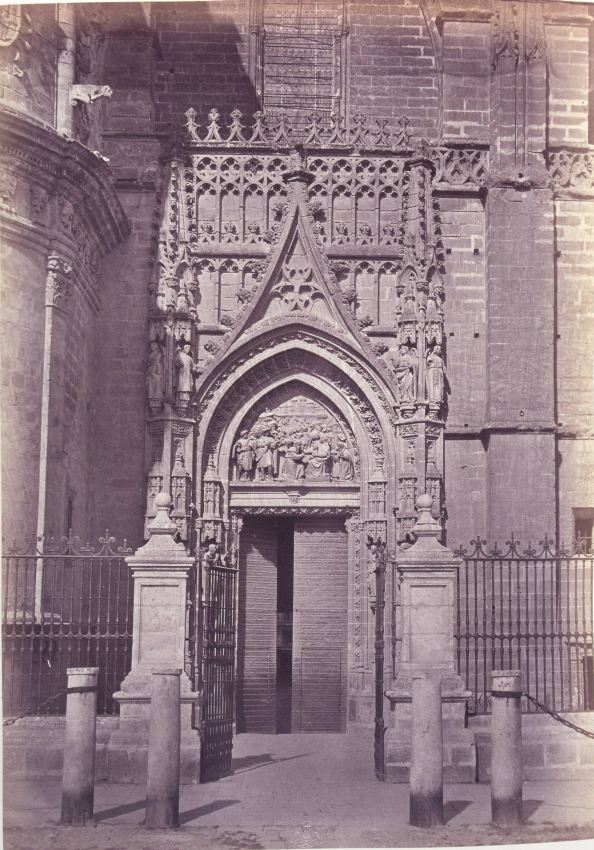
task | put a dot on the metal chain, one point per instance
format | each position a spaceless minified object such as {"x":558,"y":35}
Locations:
{"x":555,"y":716}
{"x":35,"y":708}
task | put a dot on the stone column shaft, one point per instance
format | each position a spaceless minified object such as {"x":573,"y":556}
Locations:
{"x":78,"y":775}
{"x":426,"y":764}
{"x":162,"y":789}
{"x":506,"y":748}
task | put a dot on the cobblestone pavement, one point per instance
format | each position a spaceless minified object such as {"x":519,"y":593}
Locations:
{"x":294,"y":791}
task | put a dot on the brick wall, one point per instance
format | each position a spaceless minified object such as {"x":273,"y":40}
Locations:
{"x":118,"y":367}
{"x":320,"y":625}
{"x":520,"y":245}
{"x":392,"y":64}
{"x":575,"y":376}
{"x":466,"y":79}
{"x":204,"y":61}
{"x":256,"y":652}
{"x":465,"y":490}
{"x":568,"y":59}
{"x":521,"y":486}
{"x":463,"y":233}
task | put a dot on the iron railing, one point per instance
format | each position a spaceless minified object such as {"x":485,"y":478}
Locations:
{"x":530,"y":610}
{"x":64,"y":605}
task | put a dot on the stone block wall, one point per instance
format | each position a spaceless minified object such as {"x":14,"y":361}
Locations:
{"x":550,"y":751}
{"x":23,"y":314}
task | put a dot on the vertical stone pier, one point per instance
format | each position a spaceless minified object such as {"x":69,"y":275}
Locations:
{"x":160,"y":572}
{"x":427,"y":576}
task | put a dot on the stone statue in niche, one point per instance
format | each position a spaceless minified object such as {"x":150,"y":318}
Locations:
{"x":435,"y":378}
{"x":304,"y":442}
{"x":210,"y":498}
{"x":405,"y":369}
{"x":186,"y":371}
{"x":244,"y":456}
{"x":155,"y":376}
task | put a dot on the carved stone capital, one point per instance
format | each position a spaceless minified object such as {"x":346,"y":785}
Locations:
{"x":58,"y":282}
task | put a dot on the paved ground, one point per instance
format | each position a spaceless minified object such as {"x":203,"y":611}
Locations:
{"x":294,"y":791}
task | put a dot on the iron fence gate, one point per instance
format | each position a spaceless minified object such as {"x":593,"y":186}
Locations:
{"x":218,"y":667}
{"x":531,"y":610}
{"x":64,"y":605}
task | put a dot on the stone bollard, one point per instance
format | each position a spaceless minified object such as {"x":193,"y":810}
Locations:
{"x":162,"y":788}
{"x":78,"y":773}
{"x":426,"y":763}
{"x":506,"y":748}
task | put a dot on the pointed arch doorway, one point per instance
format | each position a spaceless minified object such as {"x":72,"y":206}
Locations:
{"x":293,"y":623}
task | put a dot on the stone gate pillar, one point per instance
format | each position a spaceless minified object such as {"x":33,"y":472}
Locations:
{"x":427,"y":575}
{"x":160,"y":571}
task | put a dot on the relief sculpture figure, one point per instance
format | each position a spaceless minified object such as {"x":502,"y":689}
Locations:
{"x":266,"y":452}
{"x":292,"y":465}
{"x":243,"y":454}
{"x":435,"y":376}
{"x":343,"y":463}
{"x":293,"y":448}
{"x":405,"y":369}
{"x":155,"y":376}
{"x":318,"y":457}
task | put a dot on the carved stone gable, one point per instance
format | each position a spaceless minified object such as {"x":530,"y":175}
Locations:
{"x":313,"y":249}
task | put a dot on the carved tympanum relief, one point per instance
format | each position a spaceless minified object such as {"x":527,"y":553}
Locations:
{"x":297,"y":440}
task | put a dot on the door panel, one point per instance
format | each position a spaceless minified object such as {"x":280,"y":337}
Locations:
{"x":320,"y":625}
{"x":256,"y":661}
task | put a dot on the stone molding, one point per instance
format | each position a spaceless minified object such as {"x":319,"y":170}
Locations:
{"x":57,"y":190}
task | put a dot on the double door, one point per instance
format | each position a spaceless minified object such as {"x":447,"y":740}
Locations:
{"x":292,"y":625}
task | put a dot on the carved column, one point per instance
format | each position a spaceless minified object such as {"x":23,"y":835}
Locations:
{"x":66,"y":67}
{"x":171,"y":367}
{"x":427,"y":575}
{"x":160,"y":570}
{"x":58,"y":292}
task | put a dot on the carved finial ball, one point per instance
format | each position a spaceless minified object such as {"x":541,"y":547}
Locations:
{"x":424,"y":502}
{"x":162,"y":500}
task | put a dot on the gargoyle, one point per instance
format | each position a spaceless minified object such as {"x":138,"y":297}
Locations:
{"x":88,"y":93}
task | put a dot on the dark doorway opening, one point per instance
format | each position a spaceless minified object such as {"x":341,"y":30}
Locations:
{"x":284,"y":624}
{"x":292,"y":625}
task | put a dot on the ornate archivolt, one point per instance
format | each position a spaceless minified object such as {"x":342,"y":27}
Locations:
{"x":284,"y":258}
